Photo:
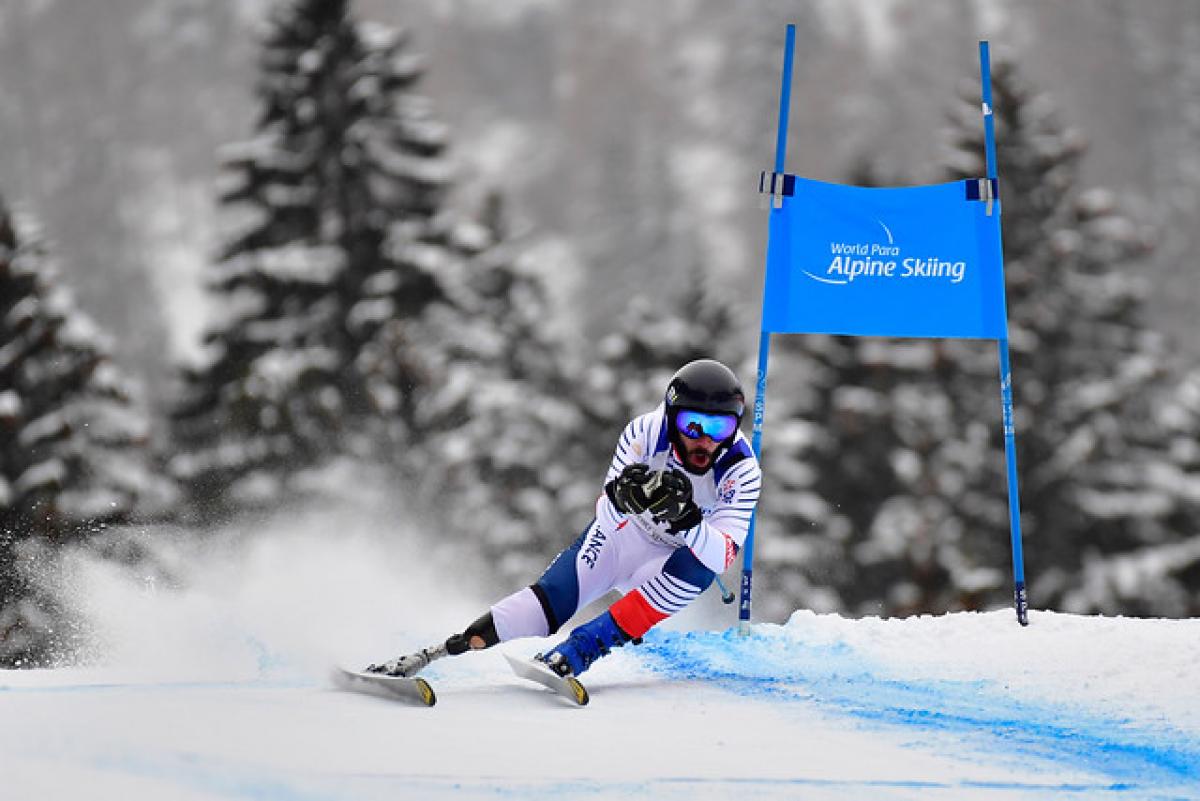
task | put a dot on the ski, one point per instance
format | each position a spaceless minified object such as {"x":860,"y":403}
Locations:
{"x":568,"y":687}
{"x":395,"y":688}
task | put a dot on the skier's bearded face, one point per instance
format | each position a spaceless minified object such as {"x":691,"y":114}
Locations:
{"x":698,"y":454}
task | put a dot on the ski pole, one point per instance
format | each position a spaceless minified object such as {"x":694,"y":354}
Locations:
{"x":726,"y":595}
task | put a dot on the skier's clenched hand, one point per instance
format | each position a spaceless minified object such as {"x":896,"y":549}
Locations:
{"x":627,"y":492}
{"x":672,"y":498}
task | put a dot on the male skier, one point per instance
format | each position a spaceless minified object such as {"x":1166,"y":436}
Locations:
{"x":675,"y":511}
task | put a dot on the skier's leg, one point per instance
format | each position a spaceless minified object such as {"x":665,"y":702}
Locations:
{"x":578,"y":575}
{"x":678,"y":580}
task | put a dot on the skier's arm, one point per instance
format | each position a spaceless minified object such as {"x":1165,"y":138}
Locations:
{"x":631,"y":447}
{"x":628,"y":470}
{"x":717,"y":539}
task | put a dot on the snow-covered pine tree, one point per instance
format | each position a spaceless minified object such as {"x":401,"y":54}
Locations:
{"x":1161,"y":578}
{"x":344,"y":151}
{"x":499,"y":444}
{"x":74,"y":450}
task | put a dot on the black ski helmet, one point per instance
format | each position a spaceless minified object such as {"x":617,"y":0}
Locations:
{"x":704,"y":385}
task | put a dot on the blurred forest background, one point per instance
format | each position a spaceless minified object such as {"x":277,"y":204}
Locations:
{"x":461,"y":242}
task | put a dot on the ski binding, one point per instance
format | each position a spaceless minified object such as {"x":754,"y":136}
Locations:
{"x":534,"y":670}
{"x":395,"y":688}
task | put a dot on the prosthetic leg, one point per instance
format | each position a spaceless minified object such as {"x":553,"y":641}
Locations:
{"x":477,"y":636}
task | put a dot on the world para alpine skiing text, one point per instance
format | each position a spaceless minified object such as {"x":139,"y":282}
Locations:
{"x":851,"y":261}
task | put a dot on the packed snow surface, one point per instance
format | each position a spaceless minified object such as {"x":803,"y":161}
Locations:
{"x":218,"y":689}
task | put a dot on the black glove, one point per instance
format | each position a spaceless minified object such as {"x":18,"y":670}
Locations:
{"x":671,"y":502}
{"x":626,"y":492}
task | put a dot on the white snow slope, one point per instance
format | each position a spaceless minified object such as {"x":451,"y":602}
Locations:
{"x":217,"y":690}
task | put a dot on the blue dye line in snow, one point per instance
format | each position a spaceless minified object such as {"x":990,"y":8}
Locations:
{"x":689,"y":788}
{"x":837,"y":679}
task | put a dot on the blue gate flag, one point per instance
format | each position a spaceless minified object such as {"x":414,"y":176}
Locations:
{"x":917,"y":261}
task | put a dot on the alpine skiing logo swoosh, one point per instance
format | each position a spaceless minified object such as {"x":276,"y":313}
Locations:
{"x":887,"y":231}
{"x":825,"y":280}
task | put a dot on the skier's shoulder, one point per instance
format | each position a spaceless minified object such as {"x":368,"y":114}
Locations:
{"x":647,"y":427}
{"x":739,"y":461}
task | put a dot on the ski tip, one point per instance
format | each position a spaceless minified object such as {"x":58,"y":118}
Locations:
{"x":581,"y":693}
{"x":428,"y":698}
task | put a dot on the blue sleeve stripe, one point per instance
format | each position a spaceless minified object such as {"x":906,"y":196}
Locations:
{"x":671,"y":595}
{"x":663,"y":602}
{"x":652,"y":595}
{"x":744,"y":468}
{"x":673,"y":589}
{"x":663,"y":442}
{"x":679,"y":583}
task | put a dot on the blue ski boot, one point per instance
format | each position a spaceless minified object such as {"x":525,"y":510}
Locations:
{"x":586,"y":644}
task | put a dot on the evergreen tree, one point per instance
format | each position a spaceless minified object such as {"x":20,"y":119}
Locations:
{"x":893,"y":471}
{"x":345,"y":152}
{"x":498,"y":444}
{"x":74,"y":452}
{"x":1162,"y":576}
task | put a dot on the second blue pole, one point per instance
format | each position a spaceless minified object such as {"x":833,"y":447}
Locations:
{"x":764,"y":337}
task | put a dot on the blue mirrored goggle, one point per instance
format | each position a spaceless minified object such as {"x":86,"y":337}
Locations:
{"x":695,"y":425}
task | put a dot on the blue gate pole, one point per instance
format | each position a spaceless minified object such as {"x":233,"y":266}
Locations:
{"x":1006,"y":383}
{"x":764,"y":337}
